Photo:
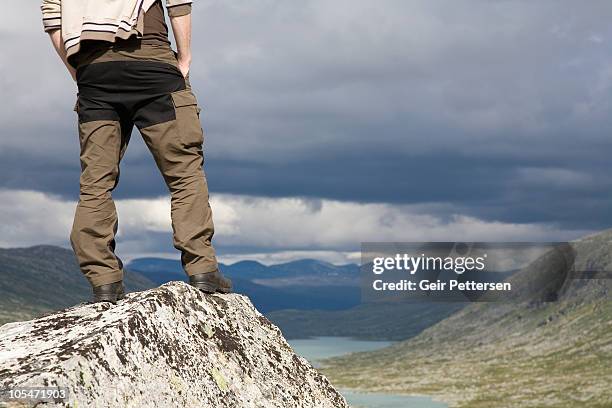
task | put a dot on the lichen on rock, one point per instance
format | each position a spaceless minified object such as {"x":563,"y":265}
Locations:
{"x":171,"y":346}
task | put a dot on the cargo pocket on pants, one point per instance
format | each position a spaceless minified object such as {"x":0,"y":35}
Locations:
{"x":188,"y":117}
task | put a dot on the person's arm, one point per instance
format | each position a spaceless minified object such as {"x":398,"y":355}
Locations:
{"x":58,"y":44}
{"x":180,"y":19}
{"x":52,"y":24}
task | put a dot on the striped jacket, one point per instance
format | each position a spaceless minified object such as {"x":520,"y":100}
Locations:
{"x":99,"y":19}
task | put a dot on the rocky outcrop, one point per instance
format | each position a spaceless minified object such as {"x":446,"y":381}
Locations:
{"x":166,"y":347}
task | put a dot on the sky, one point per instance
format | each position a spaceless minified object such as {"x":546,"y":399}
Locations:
{"x":333,"y":122}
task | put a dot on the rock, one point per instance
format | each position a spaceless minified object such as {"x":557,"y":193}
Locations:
{"x":171,"y":346}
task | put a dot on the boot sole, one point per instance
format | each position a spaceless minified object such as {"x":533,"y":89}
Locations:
{"x":210,"y":289}
{"x":110,"y":299}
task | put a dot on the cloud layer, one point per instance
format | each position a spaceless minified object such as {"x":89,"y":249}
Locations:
{"x":269,"y":230}
{"x":449,"y":116}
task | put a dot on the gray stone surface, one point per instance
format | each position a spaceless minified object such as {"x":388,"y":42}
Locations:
{"x":166,"y":347}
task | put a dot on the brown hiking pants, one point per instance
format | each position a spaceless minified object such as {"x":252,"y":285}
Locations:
{"x":115,"y":96}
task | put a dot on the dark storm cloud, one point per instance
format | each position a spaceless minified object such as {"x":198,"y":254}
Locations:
{"x":495,"y":109}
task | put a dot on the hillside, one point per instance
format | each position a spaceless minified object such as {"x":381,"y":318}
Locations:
{"x":43,"y":278}
{"x":532,"y":353}
{"x":368,"y":321}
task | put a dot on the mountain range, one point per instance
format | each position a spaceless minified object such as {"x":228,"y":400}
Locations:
{"x":305,"y":298}
{"x":306,"y":284}
{"x":43,"y":278}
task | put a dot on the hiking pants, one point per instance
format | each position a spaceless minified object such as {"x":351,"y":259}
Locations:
{"x":112,"y":97}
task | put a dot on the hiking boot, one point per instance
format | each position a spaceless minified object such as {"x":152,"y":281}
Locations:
{"x":111,"y":292}
{"x":211,"y":282}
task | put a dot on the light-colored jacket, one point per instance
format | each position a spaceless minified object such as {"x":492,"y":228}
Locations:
{"x":97,"y":19}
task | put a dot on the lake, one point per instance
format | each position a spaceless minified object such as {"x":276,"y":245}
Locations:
{"x":319,"y":348}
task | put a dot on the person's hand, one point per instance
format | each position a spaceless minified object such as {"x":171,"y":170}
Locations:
{"x":184,"y":62}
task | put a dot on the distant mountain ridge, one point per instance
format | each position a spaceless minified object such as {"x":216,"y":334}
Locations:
{"x":320,"y":273}
{"x":306,"y":284}
{"x":43,"y":278}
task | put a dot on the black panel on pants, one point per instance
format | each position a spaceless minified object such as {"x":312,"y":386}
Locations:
{"x":128,"y":91}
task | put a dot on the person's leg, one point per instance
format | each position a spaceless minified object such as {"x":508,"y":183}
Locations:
{"x":171,"y":128}
{"x":103,"y":141}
